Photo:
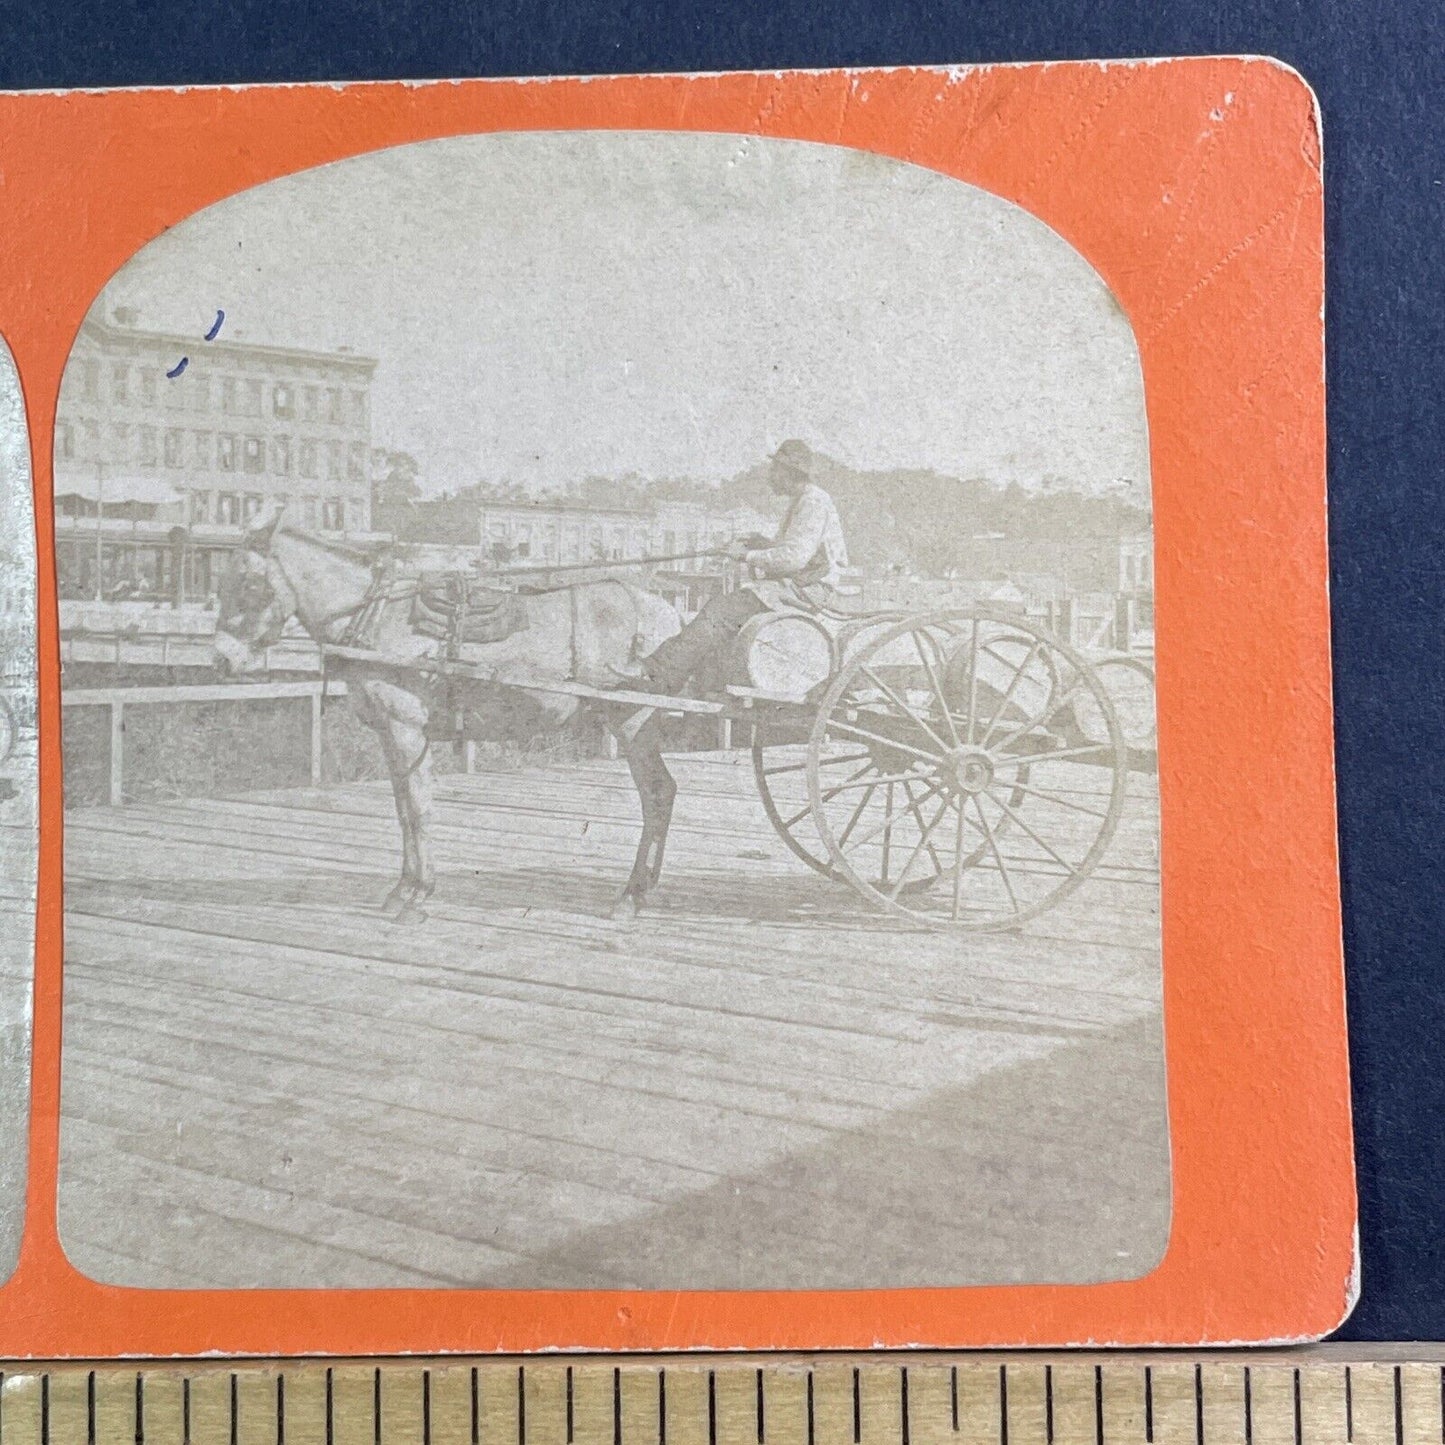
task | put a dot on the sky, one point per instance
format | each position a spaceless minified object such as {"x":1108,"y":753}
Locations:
{"x":550,"y":306}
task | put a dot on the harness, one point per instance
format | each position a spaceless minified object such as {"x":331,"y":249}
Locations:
{"x":453,"y":607}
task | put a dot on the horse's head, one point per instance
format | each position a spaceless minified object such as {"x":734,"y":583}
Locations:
{"x":257,"y":600}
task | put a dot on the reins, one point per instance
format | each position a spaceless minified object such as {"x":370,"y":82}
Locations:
{"x":607,"y":564}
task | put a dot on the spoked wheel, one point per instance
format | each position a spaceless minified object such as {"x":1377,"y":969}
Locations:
{"x":780,"y":766}
{"x":981,"y":802}
{"x":1129,"y":681}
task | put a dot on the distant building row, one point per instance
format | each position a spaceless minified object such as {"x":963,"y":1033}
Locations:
{"x":565,"y":533}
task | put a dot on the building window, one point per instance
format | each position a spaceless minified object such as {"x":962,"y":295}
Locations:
{"x":281,"y":456}
{"x":90,"y":436}
{"x":119,"y":374}
{"x":308,"y":512}
{"x":332,"y":517}
{"x":356,"y":509}
{"x":66,"y":440}
{"x":226,"y":452}
{"x":251,"y":506}
{"x":309,"y":397}
{"x":358,"y":408}
{"x":201,"y":393}
{"x":147,"y":446}
{"x":252,"y":403}
{"x":228,"y":395}
{"x":148,"y":384}
{"x":90,"y":381}
{"x":335,"y":462}
{"x":333,"y":403}
{"x":175,"y":449}
{"x":283,"y":402}
{"x":228,"y":509}
{"x":356,"y":462}
{"x":308,"y":459}
{"x":200,"y":507}
{"x":282,"y":500}
{"x":201,"y":451}
{"x":253,"y":455}
{"x":119,"y":438}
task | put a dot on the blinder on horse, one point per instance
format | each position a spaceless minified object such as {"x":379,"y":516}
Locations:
{"x":253,"y":612}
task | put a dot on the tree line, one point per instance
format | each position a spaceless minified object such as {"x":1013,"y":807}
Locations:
{"x":915,"y":519}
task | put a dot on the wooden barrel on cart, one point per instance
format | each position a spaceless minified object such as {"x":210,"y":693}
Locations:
{"x":784,"y":654}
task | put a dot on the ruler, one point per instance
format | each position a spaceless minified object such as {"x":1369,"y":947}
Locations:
{"x":1321,"y":1396}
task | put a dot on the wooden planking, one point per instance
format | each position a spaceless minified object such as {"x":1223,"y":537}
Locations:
{"x":414,"y":1068}
{"x":295,"y":832}
{"x":337,"y":905}
{"x":557,"y":838}
{"x":264,"y":1065}
{"x":850,"y":1058}
{"x":609,"y":800}
{"x":679,"y":986}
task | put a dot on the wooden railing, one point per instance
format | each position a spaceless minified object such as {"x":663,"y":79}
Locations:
{"x":118,"y":699}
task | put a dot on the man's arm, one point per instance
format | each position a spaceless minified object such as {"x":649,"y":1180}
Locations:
{"x":797,"y":545}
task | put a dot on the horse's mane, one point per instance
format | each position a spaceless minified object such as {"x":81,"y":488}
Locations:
{"x":367,"y":554}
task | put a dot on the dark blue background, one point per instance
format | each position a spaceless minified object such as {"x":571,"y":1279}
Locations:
{"x":1379,"y":69}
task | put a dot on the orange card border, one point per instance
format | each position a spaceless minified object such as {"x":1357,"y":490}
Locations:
{"x":1194,"y":188}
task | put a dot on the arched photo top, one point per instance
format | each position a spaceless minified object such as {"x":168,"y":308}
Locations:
{"x":556,"y":305}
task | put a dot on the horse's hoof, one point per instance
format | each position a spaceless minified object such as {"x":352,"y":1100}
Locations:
{"x":625,"y":909}
{"x":396,"y":899}
{"x":409,"y":913}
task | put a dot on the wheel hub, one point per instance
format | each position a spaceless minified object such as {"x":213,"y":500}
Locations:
{"x":971,"y":768}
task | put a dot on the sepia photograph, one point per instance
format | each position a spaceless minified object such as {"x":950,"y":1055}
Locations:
{"x":19,"y":799}
{"x":609,"y":734}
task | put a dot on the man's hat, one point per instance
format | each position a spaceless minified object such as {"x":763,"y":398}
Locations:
{"x":796,"y":456}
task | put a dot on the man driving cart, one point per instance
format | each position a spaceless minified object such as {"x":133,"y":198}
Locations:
{"x":800,"y":567}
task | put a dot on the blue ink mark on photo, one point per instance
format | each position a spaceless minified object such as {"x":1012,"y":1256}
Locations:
{"x":215,"y":330}
{"x":179,"y":367}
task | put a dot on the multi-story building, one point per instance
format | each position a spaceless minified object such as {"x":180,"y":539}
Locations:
{"x":205,"y":448}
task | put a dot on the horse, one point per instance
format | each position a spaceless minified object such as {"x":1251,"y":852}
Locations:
{"x":572,"y":633}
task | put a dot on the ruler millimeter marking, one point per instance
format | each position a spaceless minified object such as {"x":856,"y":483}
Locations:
{"x":1273,"y":1399}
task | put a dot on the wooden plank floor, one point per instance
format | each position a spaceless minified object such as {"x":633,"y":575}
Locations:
{"x":759,"y":1083}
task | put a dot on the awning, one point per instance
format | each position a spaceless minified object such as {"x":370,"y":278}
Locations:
{"x":114,"y":491}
